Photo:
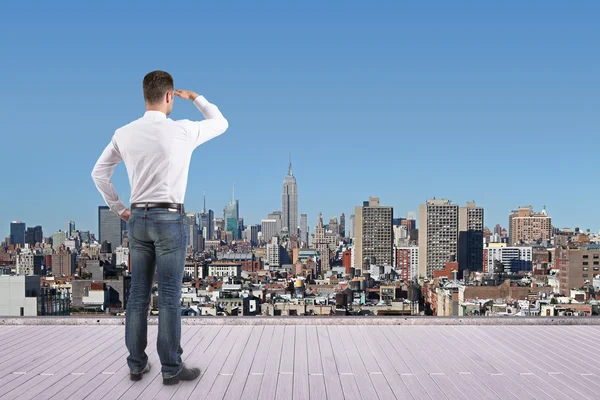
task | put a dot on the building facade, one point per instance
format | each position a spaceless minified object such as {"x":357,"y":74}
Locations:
{"x":17,"y":233}
{"x":407,"y":263}
{"x":321,"y":243}
{"x":110,"y":227}
{"x":577,"y":266}
{"x":304,"y":230}
{"x":470,"y":239}
{"x":500,"y":258}
{"x":438,"y":235}
{"x":529,"y":227}
{"x":374,"y":236}
{"x":269,"y":229}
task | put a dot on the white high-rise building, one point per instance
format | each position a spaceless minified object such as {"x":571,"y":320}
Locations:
{"x":289,"y":203}
{"x":269,"y":229}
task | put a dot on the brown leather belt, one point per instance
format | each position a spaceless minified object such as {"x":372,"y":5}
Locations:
{"x":148,"y":206}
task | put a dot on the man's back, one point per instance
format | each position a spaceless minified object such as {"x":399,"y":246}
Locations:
{"x":156,"y":151}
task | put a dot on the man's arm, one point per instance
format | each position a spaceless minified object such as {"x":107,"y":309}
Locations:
{"x":102,"y":174}
{"x":214,"y":124}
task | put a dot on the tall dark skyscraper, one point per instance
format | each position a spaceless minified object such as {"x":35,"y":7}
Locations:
{"x":470,"y":239}
{"x":110,"y":227}
{"x":17,"y":233}
{"x":34,"y":235}
{"x":343,"y":225}
{"x":289,"y":205}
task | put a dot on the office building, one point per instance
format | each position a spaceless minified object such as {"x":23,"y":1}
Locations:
{"x":334,"y":226}
{"x":274,"y":253}
{"x":191,"y":225}
{"x":342,"y":227}
{"x":58,"y":239}
{"x":304,"y":230}
{"x":269,"y":229}
{"x":321,"y":243}
{"x":19,"y":295}
{"x":577,"y":266}
{"x":17,"y":233}
{"x":34,"y":235}
{"x":470,"y":238}
{"x":499,"y":258}
{"x":350,"y":230}
{"x":529,"y":227}
{"x":277,"y":216}
{"x":407,"y":263}
{"x":110,"y":227}
{"x":63,"y":264}
{"x":289,"y":203}
{"x":29,"y":263}
{"x":254,"y":230}
{"x":70,"y":228}
{"x":373,"y":234}
{"x":438,"y":235}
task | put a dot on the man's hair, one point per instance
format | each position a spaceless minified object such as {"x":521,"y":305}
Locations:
{"x":156,"y":85}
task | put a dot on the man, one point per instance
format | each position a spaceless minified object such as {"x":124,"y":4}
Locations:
{"x":156,"y":151}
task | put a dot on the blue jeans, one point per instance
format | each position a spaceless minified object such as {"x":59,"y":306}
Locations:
{"x":157,"y":238}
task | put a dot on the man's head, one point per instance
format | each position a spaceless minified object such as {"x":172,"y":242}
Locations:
{"x":158,"y":91}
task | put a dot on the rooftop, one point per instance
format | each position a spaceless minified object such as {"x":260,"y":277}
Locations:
{"x":310,"y":358}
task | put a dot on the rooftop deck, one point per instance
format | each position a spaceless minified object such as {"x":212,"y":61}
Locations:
{"x":318,"y":360}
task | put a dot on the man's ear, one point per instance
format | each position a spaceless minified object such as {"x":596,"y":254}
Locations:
{"x":169,"y":97}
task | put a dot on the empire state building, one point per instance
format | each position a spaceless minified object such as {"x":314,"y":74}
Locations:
{"x":289,"y":205}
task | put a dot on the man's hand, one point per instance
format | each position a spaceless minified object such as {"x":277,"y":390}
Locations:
{"x":186,"y":94}
{"x":125,"y":215}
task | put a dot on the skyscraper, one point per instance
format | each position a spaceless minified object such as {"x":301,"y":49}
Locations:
{"x":277,"y":216}
{"x":304,"y":229}
{"x":206,"y":222}
{"x":191,"y":225}
{"x":321,"y":243}
{"x":17,"y":233}
{"x":343,"y":225}
{"x":350,"y":230}
{"x":529,"y":227}
{"x":269,"y":229}
{"x":289,"y":202}
{"x":334,"y":226}
{"x":58,"y":239}
{"x":110,"y":227}
{"x":438,"y":235}
{"x":470,"y":239}
{"x":231,"y":215}
{"x":70,"y":228}
{"x":374,"y":233}
{"x":254,"y":229}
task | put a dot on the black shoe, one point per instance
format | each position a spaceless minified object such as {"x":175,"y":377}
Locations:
{"x":137,"y":377}
{"x":186,"y":374}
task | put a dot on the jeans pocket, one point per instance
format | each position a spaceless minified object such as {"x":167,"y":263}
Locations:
{"x":169,"y":235}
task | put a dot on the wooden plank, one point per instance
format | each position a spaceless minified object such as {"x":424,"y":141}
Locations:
{"x":28,"y":347}
{"x":49,"y":364}
{"x":508,"y":361}
{"x":361,"y":374}
{"x":257,"y":369}
{"x":316,"y":377}
{"x":240,"y":375}
{"x":394,"y":335}
{"x":371,"y":335}
{"x":346,"y":376}
{"x":271,"y":374}
{"x":285,"y":382}
{"x":201,"y":338}
{"x":333,"y":386}
{"x":215,"y":351}
{"x":196,"y":357}
{"x":301,"y":377}
{"x":112,"y":374}
{"x":119,"y":383}
{"x":64,"y":377}
{"x":233,"y":362}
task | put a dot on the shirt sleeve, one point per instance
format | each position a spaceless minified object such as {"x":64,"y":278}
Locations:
{"x":102,"y":175}
{"x":214,"y":125}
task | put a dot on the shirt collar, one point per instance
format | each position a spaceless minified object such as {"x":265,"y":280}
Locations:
{"x":155,"y":115}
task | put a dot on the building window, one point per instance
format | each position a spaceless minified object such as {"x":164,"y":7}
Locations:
{"x":585,"y":263}
{"x":22,"y":311}
{"x":585,"y":275}
{"x":585,"y":256}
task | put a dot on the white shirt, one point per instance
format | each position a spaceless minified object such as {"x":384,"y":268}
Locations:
{"x":156,"y":151}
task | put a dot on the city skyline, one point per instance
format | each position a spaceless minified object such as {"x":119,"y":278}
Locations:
{"x":479,"y":88}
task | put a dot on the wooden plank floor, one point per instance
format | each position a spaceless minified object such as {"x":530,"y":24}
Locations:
{"x":311,"y":362}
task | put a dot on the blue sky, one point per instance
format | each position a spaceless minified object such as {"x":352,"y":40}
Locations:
{"x":496,"y":103}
